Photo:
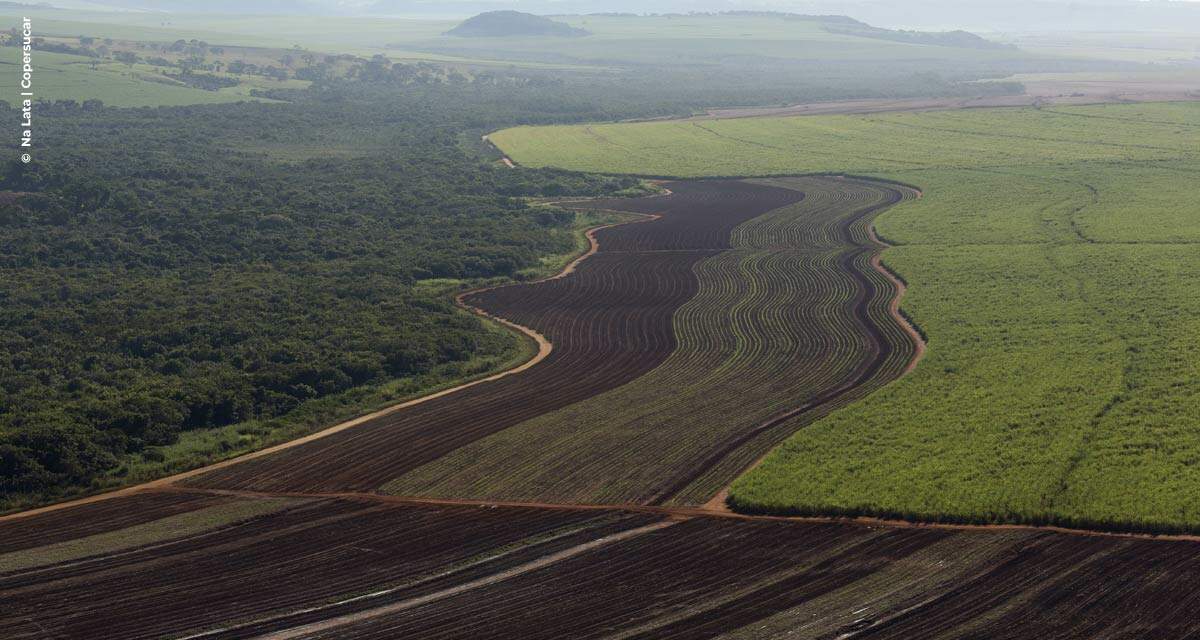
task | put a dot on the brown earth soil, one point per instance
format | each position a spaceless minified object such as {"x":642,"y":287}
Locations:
{"x":378,"y":567}
{"x":814,"y":254}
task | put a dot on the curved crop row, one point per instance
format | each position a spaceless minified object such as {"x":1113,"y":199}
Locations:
{"x":792,"y":320}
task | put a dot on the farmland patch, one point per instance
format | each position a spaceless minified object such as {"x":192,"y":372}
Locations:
{"x":791,"y":319}
{"x":1050,"y":264}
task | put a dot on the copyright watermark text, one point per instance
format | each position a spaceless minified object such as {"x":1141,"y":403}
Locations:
{"x":26,"y":88}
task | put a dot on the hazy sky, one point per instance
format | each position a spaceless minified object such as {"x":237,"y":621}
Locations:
{"x":979,"y":15}
{"x":987,"y":15}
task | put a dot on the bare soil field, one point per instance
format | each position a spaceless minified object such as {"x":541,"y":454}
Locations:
{"x":790,"y":322}
{"x":95,"y":518}
{"x":370,"y":567}
{"x":314,"y":554}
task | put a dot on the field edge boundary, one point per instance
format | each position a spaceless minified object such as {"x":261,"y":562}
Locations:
{"x":720,"y":502}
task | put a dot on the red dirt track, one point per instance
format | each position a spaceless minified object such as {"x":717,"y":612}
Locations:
{"x":378,"y":569}
{"x":349,"y":563}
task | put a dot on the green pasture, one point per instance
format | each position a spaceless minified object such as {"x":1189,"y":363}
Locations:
{"x":1131,"y":46}
{"x":1051,"y":261}
{"x":312,"y":32}
{"x":877,"y":143}
{"x":60,"y":76}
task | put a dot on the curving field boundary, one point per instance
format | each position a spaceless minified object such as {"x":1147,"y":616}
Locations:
{"x":793,"y":319}
{"x":611,"y":320}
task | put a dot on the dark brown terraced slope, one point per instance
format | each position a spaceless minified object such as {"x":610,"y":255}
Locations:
{"x":609,"y":321}
{"x":367,"y":568}
{"x":788,"y":323}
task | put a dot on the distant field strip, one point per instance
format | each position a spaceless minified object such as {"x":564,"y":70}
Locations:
{"x":792,"y":317}
{"x":1052,"y":263}
{"x":71,"y":77}
{"x":861,"y":143}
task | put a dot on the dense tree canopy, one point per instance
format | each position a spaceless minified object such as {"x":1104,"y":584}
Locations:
{"x":185,"y":268}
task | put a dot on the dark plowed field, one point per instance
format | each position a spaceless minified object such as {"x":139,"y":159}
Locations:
{"x":368,"y":568}
{"x":697,"y":216}
{"x":788,"y":323}
{"x":610,"y":321}
{"x":709,"y":578}
{"x":306,"y":556}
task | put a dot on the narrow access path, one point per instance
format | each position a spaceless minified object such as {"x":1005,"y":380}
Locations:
{"x":333,"y":623}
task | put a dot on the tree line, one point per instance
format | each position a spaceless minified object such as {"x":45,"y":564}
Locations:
{"x":173,"y":269}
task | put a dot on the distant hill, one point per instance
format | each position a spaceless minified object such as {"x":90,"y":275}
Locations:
{"x":494,"y":24}
{"x":958,"y":38}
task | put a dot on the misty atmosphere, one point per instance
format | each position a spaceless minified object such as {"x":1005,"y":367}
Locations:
{"x":561,"y":319}
{"x":984,"y":15}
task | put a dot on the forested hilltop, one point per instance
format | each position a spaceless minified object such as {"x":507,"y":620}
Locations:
{"x":180,"y":270}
